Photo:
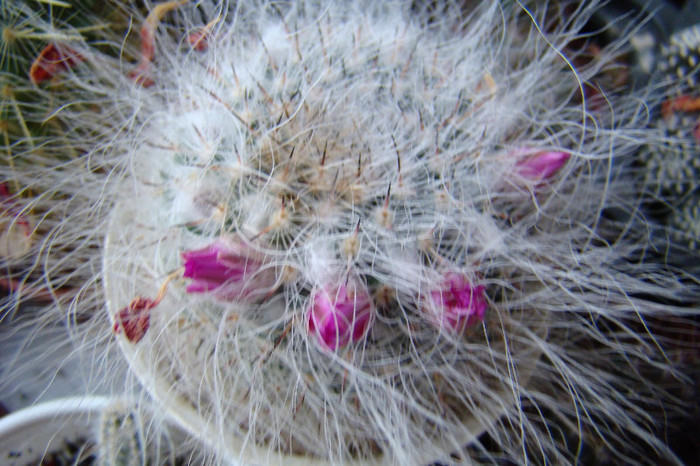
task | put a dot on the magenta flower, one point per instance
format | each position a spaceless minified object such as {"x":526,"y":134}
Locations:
{"x":231,"y":270}
{"x":457,"y":305}
{"x":340,"y":314}
{"x":541,"y":165}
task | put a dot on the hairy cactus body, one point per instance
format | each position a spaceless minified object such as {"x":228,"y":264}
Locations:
{"x":363,"y":230}
{"x":120,"y":441}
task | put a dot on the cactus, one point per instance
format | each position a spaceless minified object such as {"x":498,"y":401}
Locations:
{"x":132,"y":433}
{"x":30,"y":136}
{"x":674,"y":165}
{"x":362,"y":230}
{"x":120,"y":440}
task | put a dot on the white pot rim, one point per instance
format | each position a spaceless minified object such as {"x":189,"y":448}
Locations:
{"x":30,"y":433}
{"x":54,"y":409}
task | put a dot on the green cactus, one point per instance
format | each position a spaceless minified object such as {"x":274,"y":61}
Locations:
{"x":121,"y":440}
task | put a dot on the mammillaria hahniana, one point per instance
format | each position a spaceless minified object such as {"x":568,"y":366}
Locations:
{"x":419,"y":188}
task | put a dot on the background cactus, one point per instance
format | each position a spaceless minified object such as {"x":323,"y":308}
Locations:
{"x":120,"y":442}
{"x":134,"y":434}
{"x":31,"y":136}
{"x":676,"y":167}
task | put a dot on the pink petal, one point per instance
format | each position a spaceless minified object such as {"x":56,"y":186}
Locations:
{"x":336,"y":318}
{"x":542,"y":165}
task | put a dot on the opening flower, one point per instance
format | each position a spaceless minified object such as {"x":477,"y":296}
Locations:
{"x":340,"y":315}
{"x":457,"y":305}
{"x":230,"y":269}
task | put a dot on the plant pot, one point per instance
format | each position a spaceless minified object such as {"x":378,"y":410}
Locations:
{"x":84,"y":430}
{"x":156,"y":358}
{"x":64,"y":427}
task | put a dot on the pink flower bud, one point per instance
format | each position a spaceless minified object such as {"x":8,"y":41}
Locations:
{"x":231,"y":270}
{"x":198,"y":40}
{"x":457,"y":305}
{"x":340,"y":314}
{"x":541,"y":165}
